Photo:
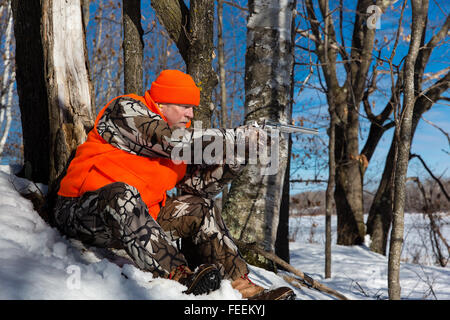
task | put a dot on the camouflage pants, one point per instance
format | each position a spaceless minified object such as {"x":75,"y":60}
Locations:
{"x":115,"y":216}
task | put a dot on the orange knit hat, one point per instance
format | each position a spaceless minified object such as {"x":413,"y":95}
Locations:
{"x":174,"y":86}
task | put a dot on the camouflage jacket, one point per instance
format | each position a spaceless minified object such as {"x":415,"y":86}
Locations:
{"x":129,"y":125}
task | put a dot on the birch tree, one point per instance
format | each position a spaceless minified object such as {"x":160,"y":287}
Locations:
{"x":253,"y":206}
{"x":7,"y":81}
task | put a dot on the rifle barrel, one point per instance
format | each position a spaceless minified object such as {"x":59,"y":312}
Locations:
{"x":289,"y":128}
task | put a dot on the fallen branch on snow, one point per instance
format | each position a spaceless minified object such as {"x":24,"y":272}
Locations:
{"x":304,"y":277}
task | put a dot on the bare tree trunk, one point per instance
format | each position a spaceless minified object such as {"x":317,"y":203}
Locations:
{"x":403,"y":135}
{"x":31,"y":88}
{"x":174,"y":16}
{"x":380,"y":212}
{"x":200,"y":56}
{"x":133,"y":47}
{"x":69,"y":91}
{"x":252,"y":210}
{"x":7,"y":82}
{"x":221,"y":63}
{"x":331,"y":159}
{"x":282,"y":238}
{"x":329,"y":199}
{"x":222,"y":80}
{"x":192,"y":31}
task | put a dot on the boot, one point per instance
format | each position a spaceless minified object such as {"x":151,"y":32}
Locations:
{"x":246,"y":287}
{"x":205,"y":279}
{"x":251,"y":291}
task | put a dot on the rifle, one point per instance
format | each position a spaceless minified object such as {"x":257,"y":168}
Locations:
{"x":287,"y":128}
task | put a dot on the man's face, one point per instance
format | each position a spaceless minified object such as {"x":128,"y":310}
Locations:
{"x":177,"y":115}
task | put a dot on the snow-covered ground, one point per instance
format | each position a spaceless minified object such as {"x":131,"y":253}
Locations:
{"x":36,"y":262}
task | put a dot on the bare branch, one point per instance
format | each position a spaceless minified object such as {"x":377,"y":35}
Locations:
{"x":439,"y":128}
{"x":413,"y":155}
{"x":307,"y":181}
{"x":432,"y":76}
{"x":425,"y":52}
{"x":433,"y":92}
{"x":230,"y":3}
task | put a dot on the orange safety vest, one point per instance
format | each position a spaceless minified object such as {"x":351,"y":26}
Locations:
{"x":97,"y":164}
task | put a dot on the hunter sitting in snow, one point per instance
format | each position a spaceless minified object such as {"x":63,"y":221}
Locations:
{"x":114,"y":192}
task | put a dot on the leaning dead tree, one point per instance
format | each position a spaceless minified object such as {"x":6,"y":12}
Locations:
{"x":305,"y":280}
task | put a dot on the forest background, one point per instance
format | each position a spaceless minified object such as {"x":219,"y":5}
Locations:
{"x":428,"y":175}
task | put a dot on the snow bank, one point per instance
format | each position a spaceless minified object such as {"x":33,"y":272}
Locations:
{"x":36,"y":262}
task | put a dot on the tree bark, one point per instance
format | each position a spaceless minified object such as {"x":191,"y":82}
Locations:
{"x":222,"y":79}
{"x":331,"y":160}
{"x":221,"y":64}
{"x":403,"y":135}
{"x":380,"y":212}
{"x":7,"y":82}
{"x":133,"y":47}
{"x":192,"y":31}
{"x":200,"y":56}
{"x":329,"y":199}
{"x":31,"y":88}
{"x":70,"y":98}
{"x":252,"y":210}
{"x":282,"y":239}
{"x":174,"y":16}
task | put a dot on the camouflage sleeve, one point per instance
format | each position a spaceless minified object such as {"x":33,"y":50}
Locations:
{"x":218,"y":167}
{"x":208,"y":181}
{"x":129,"y":125}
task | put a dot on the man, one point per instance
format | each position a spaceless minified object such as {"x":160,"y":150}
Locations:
{"x":114,"y":193}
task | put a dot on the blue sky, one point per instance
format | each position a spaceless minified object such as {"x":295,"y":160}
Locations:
{"x":428,"y":141}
